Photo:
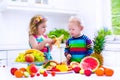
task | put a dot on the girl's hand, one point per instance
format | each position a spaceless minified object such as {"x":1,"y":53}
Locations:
{"x":68,"y":57}
{"x":48,"y":40}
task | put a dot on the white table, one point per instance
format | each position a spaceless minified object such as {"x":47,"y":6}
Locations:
{"x":5,"y":75}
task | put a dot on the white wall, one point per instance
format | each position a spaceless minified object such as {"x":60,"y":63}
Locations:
{"x":88,"y":16}
{"x":93,"y":13}
{"x":14,"y":25}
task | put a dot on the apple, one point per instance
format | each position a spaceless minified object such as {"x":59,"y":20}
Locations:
{"x":81,"y":71}
{"x":26,"y":74}
{"x":29,"y":58}
{"x":12,"y":70}
{"x":76,"y":69}
{"x":42,"y":71}
{"x":33,"y":68}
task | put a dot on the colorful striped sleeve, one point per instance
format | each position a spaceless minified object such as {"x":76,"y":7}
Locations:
{"x":66,"y":49}
{"x":89,"y":46}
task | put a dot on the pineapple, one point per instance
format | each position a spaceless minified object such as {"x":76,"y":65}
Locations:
{"x":98,"y":44}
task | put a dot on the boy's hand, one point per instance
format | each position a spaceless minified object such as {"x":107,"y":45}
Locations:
{"x":68,"y":57}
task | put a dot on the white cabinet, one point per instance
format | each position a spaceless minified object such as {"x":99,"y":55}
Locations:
{"x":3,"y":58}
{"x":2,"y":54}
{"x":45,"y":6}
{"x":58,"y":53}
{"x":111,"y":52}
{"x":7,"y":57}
{"x":12,"y":56}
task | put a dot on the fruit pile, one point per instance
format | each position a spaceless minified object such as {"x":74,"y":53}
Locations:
{"x":30,"y":71}
{"x":101,"y":71}
{"x":56,"y":67}
{"x":90,"y":65}
{"x":31,"y":55}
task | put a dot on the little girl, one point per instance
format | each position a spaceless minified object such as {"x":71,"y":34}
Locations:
{"x":37,"y":38}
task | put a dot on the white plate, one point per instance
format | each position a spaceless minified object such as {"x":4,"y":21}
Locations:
{"x":66,"y":72}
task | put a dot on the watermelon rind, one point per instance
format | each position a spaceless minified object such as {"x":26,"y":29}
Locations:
{"x":74,"y":64}
{"x":85,"y":64}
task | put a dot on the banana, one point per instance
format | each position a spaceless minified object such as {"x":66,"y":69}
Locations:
{"x":58,"y":41}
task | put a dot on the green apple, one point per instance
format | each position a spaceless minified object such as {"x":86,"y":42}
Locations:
{"x":42,"y":71}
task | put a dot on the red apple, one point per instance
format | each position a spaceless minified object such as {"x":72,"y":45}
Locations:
{"x":29,"y":58}
{"x":12,"y":70}
{"x":33,"y":68}
{"x":76,"y":69}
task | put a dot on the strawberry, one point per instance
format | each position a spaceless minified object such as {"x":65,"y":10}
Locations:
{"x":38,"y":74}
{"x":53,"y":73}
{"x":55,"y":69}
{"x":32,"y":75}
{"x":76,"y":69}
{"x":87,"y":72}
{"x":45,"y":74}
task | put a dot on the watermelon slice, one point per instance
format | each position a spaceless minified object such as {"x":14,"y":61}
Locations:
{"x":89,"y":63}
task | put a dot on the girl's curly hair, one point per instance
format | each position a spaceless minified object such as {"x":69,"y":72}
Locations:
{"x":35,"y":22}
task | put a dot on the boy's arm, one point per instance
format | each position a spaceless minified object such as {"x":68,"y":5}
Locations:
{"x":66,"y":49}
{"x":89,"y":47}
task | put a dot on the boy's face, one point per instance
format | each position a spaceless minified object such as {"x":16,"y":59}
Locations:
{"x":74,"y":29}
{"x":42,"y":28}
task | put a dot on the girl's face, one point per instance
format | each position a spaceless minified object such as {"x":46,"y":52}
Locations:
{"x":41,"y":28}
{"x":74,"y":29}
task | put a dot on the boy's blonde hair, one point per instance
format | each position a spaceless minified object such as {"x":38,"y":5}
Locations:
{"x":34,"y":23}
{"x":74,"y":19}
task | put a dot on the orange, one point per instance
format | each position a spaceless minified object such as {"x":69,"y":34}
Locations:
{"x":99,"y":72}
{"x":18,"y":74}
{"x":22,"y":69}
{"x":109,"y":72}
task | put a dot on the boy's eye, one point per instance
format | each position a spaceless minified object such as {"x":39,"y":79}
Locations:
{"x":44,"y":27}
{"x":72,"y":29}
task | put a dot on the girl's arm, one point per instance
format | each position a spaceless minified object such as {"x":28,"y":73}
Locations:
{"x":51,"y":43}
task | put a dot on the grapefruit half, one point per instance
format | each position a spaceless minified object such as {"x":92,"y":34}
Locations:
{"x":89,"y":62}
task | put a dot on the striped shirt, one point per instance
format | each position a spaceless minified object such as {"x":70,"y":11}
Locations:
{"x":78,"y":48}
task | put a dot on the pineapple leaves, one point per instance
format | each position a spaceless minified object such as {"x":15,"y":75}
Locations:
{"x":99,"y":40}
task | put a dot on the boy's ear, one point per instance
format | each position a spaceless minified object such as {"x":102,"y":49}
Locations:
{"x":81,"y":28}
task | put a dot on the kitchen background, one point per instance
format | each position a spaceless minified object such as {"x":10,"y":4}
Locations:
{"x":15,"y":16}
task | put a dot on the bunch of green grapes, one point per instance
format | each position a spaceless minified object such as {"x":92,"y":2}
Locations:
{"x":20,"y":58}
{"x":38,"y":57}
